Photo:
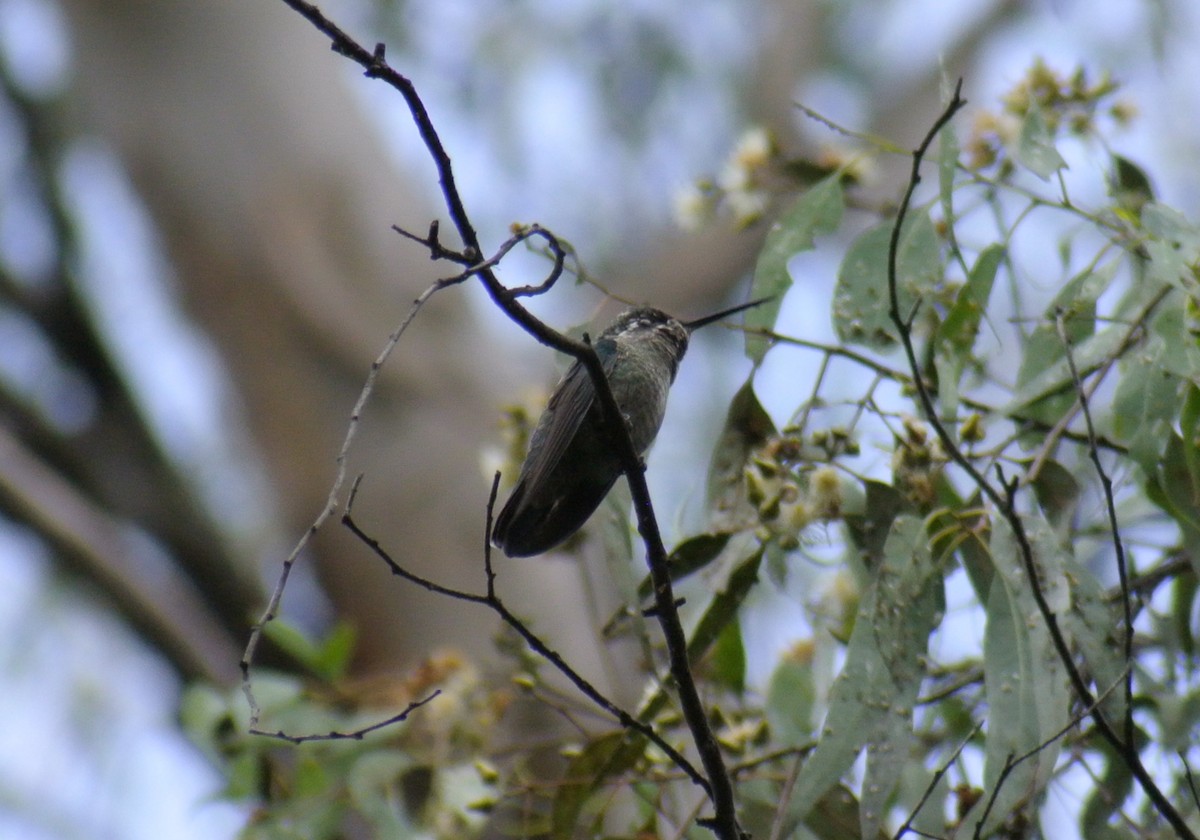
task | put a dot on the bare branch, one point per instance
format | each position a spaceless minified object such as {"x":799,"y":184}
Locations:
{"x":331,"y":499}
{"x":493,"y":602}
{"x":353,"y":735}
{"x":1114,"y":526}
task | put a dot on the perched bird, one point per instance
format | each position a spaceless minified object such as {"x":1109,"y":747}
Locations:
{"x":570,"y":467}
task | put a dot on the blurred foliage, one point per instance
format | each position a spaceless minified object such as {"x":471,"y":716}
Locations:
{"x":922,"y":668}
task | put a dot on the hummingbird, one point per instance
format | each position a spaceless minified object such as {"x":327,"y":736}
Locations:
{"x":570,"y":467}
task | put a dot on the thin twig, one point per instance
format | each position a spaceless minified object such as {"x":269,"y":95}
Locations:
{"x":493,"y":602}
{"x":785,"y":796}
{"x":933,"y":783}
{"x":903,"y":378}
{"x":1191,"y":780}
{"x":1092,"y":440}
{"x":331,"y":499}
{"x":354,"y":735}
{"x":1114,"y":526}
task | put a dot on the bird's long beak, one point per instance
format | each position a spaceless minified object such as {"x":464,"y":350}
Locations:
{"x":717,"y":316}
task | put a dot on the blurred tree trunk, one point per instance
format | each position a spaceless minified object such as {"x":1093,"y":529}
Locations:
{"x":274,"y":198}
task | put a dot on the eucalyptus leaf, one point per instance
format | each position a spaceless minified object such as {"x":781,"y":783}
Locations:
{"x":728,"y":658}
{"x":1146,"y":405}
{"x":1035,"y":148}
{"x":1174,"y":248}
{"x":955,"y":337}
{"x":1057,"y":491}
{"x":861,"y":302}
{"x":1054,"y":378}
{"x":884,"y":666}
{"x":868,"y":531}
{"x":723,"y":608}
{"x":1176,"y":340}
{"x":1045,"y":388}
{"x":1174,"y":486}
{"x":1096,"y":626}
{"x":747,"y":427}
{"x":602,"y":758}
{"x":818,"y":211}
{"x":789,"y":702}
{"x":948,"y":151}
{"x":1027,"y":692}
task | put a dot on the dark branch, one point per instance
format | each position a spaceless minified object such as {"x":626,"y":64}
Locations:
{"x":1114,"y":526}
{"x":493,"y":602}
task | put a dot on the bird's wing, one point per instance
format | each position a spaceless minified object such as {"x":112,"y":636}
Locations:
{"x":560,"y":422}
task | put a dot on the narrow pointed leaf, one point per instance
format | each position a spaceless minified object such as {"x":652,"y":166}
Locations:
{"x":816,"y":212}
{"x":860,"y":300}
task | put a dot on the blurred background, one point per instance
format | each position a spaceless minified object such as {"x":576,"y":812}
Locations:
{"x":197,"y":268}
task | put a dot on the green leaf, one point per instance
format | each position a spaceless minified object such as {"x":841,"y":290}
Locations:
{"x":690,"y":556}
{"x":1027,"y":693}
{"x":723,"y":608}
{"x":818,"y":211}
{"x":1179,"y":717}
{"x":334,"y":653}
{"x":1174,"y":249}
{"x":948,"y":151}
{"x":600,"y":759}
{"x":860,"y":299}
{"x":872,"y":698}
{"x":747,"y":427}
{"x":1057,"y":493}
{"x":868,"y":531}
{"x":1175,"y":339}
{"x":1179,"y":621}
{"x":789,"y":702}
{"x":729,"y":658}
{"x":1130,"y":187}
{"x":292,"y":640}
{"x":1035,"y":147}
{"x":1146,"y":405}
{"x":1097,"y":628}
{"x":955,"y":337}
{"x":1053,"y":385}
{"x":720,"y":611}
{"x":1174,"y":486}
{"x":1045,"y":389}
